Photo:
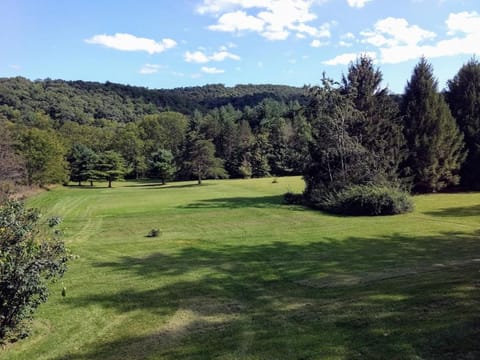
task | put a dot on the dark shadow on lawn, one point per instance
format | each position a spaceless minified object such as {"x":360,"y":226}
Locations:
{"x":159,"y":186}
{"x":463,"y":211}
{"x":307,"y":301}
{"x":238,"y":202}
{"x":86,"y":187}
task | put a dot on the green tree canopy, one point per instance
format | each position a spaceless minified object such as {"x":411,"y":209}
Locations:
{"x":463,"y":96}
{"x":110,"y":167}
{"x":82,"y":161}
{"x":434,"y":141}
{"x":201,"y":160}
{"x":161,"y":164}
{"x":380,"y":128}
{"x":337,"y":159}
{"x":44,"y":155}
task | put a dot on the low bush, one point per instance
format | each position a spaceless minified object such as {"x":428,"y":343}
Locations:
{"x":154,"y":233}
{"x":368,"y":200}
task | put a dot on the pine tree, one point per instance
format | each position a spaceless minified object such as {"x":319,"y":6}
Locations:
{"x":337,"y":159}
{"x":463,"y":96}
{"x":380,"y":128}
{"x":434,"y":141}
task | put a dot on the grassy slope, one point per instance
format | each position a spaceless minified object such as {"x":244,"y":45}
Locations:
{"x":238,"y":275}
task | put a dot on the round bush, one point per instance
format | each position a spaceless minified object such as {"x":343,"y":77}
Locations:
{"x":369,"y":200}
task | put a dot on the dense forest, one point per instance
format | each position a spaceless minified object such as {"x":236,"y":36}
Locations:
{"x":337,"y":134}
{"x":82,"y":101}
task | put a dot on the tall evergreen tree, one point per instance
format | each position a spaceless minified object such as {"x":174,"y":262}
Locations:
{"x":434,"y":141}
{"x":463,"y":96}
{"x":380,"y":128}
{"x":337,"y":159}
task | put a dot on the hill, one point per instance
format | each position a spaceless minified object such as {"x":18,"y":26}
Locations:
{"x":83,"y":101}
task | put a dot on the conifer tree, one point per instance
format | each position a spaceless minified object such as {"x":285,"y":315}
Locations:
{"x":380,"y":129}
{"x":337,"y":159}
{"x":463,"y":96}
{"x":434,"y":140}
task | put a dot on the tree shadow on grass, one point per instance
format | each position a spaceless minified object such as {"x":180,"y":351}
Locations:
{"x":158,"y":186}
{"x":238,"y":202}
{"x":392,"y":297}
{"x":462,"y":211}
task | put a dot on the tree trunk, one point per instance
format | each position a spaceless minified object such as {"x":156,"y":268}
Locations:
{"x":109,"y":183}
{"x":199,"y":180}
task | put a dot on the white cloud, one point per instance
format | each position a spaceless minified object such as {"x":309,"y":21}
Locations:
{"x":128,"y":42}
{"x":357,"y":3}
{"x":238,"y":21}
{"x":150,"y":69}
{"x":464,"y":22}
{"x":212,"y":70}
{"x":395,"y":31}
{"x":196,"y":57}
{"x":272,"y":19}
{"x":347,"y":58}
{"x":222,"y":55}
{"x":397,"y":41}
{"x":200,"y":57}
{"x":317,"y":43}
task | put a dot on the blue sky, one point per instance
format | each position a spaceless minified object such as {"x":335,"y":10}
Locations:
{"x":176,"y":43}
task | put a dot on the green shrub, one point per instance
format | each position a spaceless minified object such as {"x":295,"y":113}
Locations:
{"x":29,"y":257}
{"x":368,"y":200}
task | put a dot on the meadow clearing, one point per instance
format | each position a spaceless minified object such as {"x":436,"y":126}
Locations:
{"x":237,"y":274}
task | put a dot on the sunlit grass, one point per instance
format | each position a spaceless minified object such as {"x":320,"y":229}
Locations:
{"x":237,"y":274}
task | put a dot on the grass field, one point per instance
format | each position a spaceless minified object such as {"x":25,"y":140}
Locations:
{"x":236,"y":274}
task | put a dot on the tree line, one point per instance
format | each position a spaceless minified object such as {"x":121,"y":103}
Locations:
{"x":349,"y":132}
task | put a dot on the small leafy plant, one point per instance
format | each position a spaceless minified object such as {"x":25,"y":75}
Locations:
{"x":154,"y":233}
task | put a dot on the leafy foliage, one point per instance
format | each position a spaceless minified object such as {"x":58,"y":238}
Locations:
{"x":28,"y":259}
{"x":110,"y":167}
{"x":83,"y":161}
{"x":162,"y":165}
{"x":44,"y":155}
{"x":202,"y":161}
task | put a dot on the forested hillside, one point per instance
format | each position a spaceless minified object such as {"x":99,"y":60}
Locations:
{"x":82,"y":101}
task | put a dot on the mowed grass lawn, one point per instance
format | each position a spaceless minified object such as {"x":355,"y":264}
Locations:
{"x":236,"y":274}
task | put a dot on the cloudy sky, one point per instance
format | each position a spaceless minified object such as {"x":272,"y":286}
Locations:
{"x":174,"y":43}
